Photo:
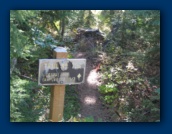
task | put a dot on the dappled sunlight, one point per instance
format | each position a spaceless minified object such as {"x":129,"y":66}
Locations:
{"x":92,"y":78}
{"x":79,"y":55}
{"x":130,"y":66}
{"x":90,"y":100}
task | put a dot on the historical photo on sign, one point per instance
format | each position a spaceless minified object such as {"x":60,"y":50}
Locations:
{"x":61,"y":71}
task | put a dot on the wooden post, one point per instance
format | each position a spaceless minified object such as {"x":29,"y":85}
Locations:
{"x":57,"y":92}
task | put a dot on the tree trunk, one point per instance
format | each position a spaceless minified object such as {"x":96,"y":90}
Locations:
{"x":62,"y":25}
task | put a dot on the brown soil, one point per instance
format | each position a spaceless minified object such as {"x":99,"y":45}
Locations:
{"x":91,"y":105}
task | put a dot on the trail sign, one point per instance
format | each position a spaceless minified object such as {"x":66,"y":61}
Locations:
{"x":61,"y":71}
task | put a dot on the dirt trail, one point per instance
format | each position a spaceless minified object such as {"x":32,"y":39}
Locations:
{"x":91,"y":105}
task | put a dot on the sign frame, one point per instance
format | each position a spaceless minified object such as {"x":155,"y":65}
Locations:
{"x":71,"y":69}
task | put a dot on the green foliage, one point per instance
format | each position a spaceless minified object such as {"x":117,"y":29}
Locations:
{"x":132,"y":64}
{"x":71,"y":107}
{"x":30,"y":40}
{"x":20,"y":35}
{"x":88,"y":119}
{"x":149,"y":107}
{"x":109,"y":88}
{"x":130,"y":61}
{"x":27,"y":100}
{"x":109,"y":91}
{"x":42,"y":39}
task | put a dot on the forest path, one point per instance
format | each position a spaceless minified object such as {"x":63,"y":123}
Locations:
{"x":91,"y":105}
